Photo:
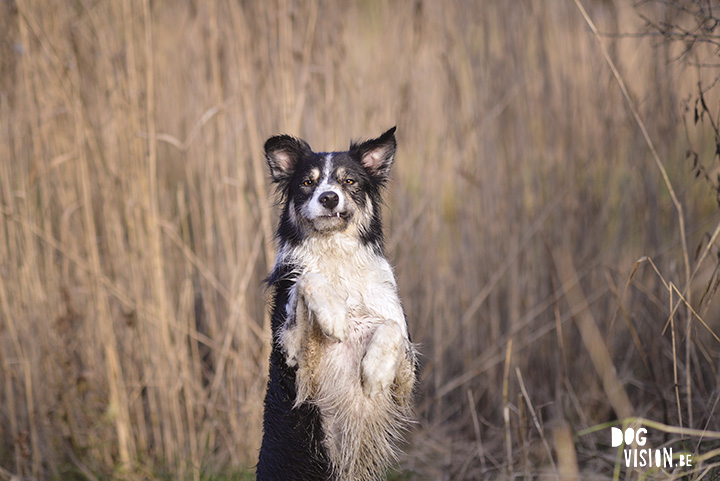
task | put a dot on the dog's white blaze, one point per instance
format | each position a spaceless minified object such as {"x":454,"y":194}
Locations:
{"x":327,"y":167}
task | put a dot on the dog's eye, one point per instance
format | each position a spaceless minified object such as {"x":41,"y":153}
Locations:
{"x":349,"y":181}
{"x":307,"y":183}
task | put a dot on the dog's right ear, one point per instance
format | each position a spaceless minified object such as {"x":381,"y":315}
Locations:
{"x":283,"y":153}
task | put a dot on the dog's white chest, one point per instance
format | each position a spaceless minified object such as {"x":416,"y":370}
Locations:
{"x":357,"y":274}
{"x":370,"y":294}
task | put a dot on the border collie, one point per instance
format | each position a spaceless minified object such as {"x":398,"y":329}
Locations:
{"x":342,"y":368}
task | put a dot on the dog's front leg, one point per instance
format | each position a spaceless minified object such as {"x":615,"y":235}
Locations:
{"x":329,"y":309}
{"x":386,"y":351}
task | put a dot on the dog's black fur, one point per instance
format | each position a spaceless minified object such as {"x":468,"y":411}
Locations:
{"x":292,"y":441}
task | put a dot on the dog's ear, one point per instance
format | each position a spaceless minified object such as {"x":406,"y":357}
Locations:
{"x":377,"y":155}
{"x":283,"y":153}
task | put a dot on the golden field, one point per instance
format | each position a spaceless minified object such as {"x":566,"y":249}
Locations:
{"x":556,"y":275}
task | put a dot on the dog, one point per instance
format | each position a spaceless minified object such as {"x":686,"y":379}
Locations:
{"x":342,"y":367}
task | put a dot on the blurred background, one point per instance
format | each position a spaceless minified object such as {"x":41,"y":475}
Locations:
{"x":556,"y":275}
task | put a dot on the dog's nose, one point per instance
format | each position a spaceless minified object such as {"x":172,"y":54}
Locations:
{"x":329,"y":200}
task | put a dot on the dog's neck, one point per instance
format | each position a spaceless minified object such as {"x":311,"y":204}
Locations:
{"x":339,"y":255}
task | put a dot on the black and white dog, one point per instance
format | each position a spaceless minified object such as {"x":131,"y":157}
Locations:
{"x":342,"y":368}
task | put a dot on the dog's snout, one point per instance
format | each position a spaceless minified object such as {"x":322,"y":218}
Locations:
{"x":329,"y":200}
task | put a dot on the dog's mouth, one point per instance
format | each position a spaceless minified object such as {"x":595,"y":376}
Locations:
{"x":336,"y":215}
{"x":331,"y":221}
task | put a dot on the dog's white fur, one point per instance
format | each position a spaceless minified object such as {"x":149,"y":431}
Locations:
{"x":347,"y":335}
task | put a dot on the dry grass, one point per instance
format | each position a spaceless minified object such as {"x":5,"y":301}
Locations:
{"x":538,"y":249}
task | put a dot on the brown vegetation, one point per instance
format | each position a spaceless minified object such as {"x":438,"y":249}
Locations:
{"x":537,"y":248}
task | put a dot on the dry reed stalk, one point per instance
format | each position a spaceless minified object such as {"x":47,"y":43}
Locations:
{"x":117,"y":407}
{"x":286,"y":71}
{"x":297,"y":113}
{"x":591,"y":336}
{"x":106,"y":335}
{"x":476,"y":427}
{"x":676,"y":382}
{"x":189,"y":368}
{"x":216,"y":79}
{"x":7,"y":251}
{"x":628,"y":321}
{"x":536,"y":422}
{"x":506,"y":409}
{"x":567,"y":457}
{"x":30,"y":102}
{"x":8,"y":376}
{"x":174,"y":432}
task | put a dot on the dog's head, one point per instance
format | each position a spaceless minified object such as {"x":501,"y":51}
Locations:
{"x":323,"y":193}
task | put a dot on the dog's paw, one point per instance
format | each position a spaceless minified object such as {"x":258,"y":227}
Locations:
{"x":329,"y":309}
{"x":380,"y":364}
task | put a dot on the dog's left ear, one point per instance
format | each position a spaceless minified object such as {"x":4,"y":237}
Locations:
{"x":377,"y":155}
